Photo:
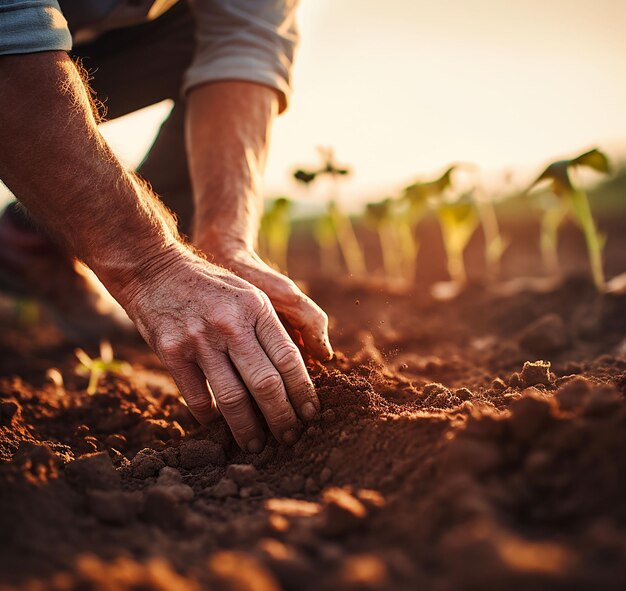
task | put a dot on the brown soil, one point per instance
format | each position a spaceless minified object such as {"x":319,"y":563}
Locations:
{"x":449,"y":455}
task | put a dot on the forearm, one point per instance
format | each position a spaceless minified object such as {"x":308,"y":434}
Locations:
{"x":228,"y":129}
{"x":58,"y":165}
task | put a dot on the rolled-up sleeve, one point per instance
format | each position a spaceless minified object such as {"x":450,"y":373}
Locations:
{"x":29,"y":26}
{"x":251,"y":40}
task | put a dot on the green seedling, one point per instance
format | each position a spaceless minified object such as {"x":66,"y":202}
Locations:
{"x":326,"y":237}
{"x":416,"y":199}
{"x":397,"y":243}
{"x":99,"y":366}
{"x":495,"y":243}
{"x":553,"y":214}
{"x":574,"y":201}
{"x":334,"y":218}
{"x":329,"y":167}
{"x":275,"y":231}
{"x":418,"y":194}
{"x":380,"y":216}
{"x":347,"y":241}
{"x":458,"y":221}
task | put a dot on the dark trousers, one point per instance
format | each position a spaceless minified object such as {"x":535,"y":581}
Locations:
{"x":139,"y":66}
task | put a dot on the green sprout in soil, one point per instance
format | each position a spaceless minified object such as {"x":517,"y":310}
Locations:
{"x":326,"y":237}
{"x":418,"y":194}
{"x":495,"y":243}
{"x":395,"y":234}
{"x":275,"y":231}
{"x":99,"y":366}
{"x":458,"y":221}
{"x":573,"y":200}
{"x":335,"y":219}
{"x":553,"y":214}
{"x":416,"y":198}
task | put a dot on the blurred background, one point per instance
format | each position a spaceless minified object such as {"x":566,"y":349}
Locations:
{"x":402,"y":88}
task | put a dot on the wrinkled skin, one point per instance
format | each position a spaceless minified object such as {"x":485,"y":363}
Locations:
{"x":208,"y":325}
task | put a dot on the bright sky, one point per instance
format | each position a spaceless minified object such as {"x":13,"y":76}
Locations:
{"x":403,"y":87}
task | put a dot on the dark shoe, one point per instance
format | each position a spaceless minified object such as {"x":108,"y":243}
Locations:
{"x":31,"y":265}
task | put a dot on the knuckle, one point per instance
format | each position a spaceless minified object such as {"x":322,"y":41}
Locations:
{"x":169,"y":348}
{"x":267,"y":384}
{"x":288,"y":292}
{"x":283,"y":417}
{"x":227,"y":325}
{"x":196,"y":331}
{"x":232,"y":401}
{"x":198,"y":402}
{"x":257,"y":301}
{"x":287,"y":357}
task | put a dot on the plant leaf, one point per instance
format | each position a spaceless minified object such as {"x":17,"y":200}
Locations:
{"x":594,"y":159}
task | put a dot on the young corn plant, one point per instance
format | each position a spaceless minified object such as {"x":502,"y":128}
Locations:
{"x":397,"y":242}
{"x":99,"y":366}
{"x":458,"y":221}
{"x":380,"y":216}
{"x":326,"y":237}
{"x":574,"y":201}
{"x":495,"y":243}
{"x":275,"y":231}
{"x":418,"y":194}
{"x":415,"y":198}
{"x":553,"y":214}
{"x":334,"y":218}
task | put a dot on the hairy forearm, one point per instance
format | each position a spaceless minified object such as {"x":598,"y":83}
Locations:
{"x":58,"y":165}
{"x":228,"y":128}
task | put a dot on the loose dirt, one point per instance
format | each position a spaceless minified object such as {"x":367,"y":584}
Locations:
{"x":472,"y":444}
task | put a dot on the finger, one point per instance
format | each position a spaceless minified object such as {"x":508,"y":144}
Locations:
{"x":286,"y":358}
{"x":233,"y":400}
{"x":266,"y":386}
{"x":306,"y":317}
{"x":300,"y":312}
{"x":192,"y":384}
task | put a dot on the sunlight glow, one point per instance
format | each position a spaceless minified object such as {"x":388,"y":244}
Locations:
{"x":402,"y":88}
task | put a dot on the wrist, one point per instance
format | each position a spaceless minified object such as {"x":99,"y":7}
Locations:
{"x":221,"y":245}
{"x":150,"y":267}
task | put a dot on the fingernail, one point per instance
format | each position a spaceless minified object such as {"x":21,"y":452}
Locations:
{"x":309,"y":412}
{"x":255,"y":446}
{"x":290,"y":437}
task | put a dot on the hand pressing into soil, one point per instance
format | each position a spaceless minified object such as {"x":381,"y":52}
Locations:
{"x":305,"y":321}
{"x":206,"y":324}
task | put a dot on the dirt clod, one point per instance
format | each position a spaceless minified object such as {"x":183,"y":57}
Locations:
{"x":224,"y":488}
{"x":146,"y":463}
{"x":546,"y":336}
{"x":93,"y":471}
{"x":199,"y":453}
{"x":534,"y":374}
{"x":242,"y":474}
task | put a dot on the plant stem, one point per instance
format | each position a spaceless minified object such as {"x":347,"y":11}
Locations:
{"x":409,"y":247}
{"x":550,"y":223}
{"x":94,"y":377}
{"x":494,"y":245}
{"x":456,"y":266}
{"x":582,"y":211}
{"x":388,"y":245}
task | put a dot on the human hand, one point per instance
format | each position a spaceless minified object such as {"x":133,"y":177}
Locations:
{"x":206,"y":324}
{"x":305,"y":320}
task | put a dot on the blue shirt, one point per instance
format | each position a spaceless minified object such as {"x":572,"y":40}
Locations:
{"x":251,"y":40}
